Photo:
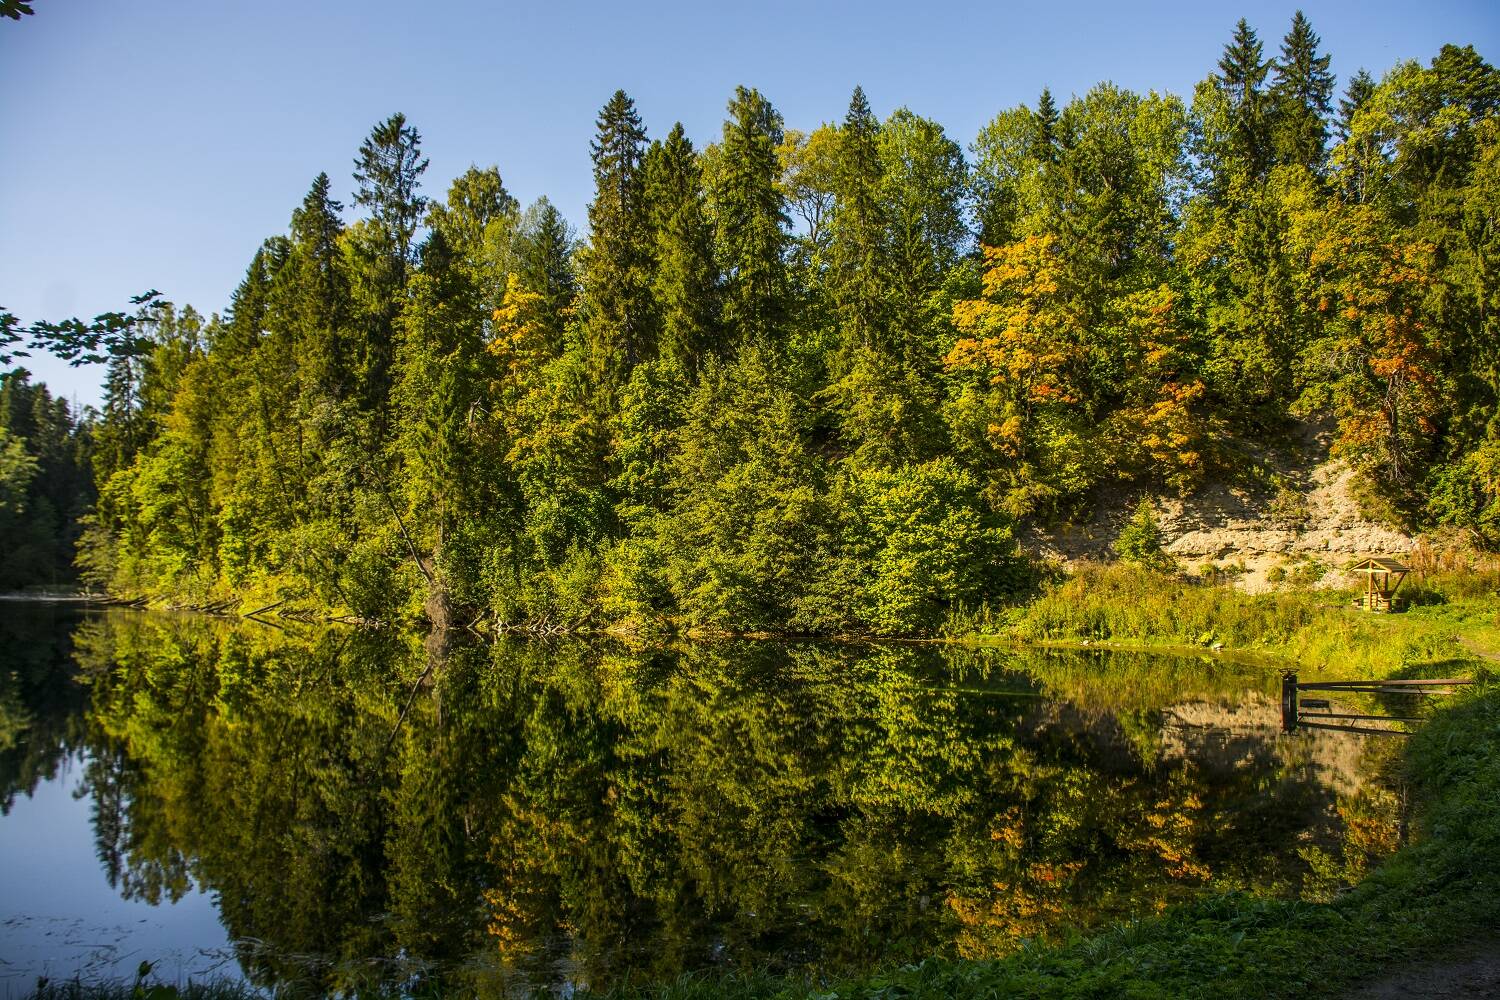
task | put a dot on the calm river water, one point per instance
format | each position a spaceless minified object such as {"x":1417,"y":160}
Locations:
{"x":333,"y":809}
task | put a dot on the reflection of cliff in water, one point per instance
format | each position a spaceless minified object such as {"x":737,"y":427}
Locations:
{"x":1247,"y":733}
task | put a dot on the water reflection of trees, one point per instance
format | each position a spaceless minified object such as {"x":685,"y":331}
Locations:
{"x":41,"y":709}
{"x":599,"y":814}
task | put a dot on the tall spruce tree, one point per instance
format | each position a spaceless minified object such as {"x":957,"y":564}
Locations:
{"x":388,"y":172}
{"x":1046,"y":123}
{"x":1242,"y":78}
{"x":1361,"y":87}
{"x":859,"y":275}
{"x":320,"y":311}
{"x":45,"y":486}
{"x":247,"y":306}
{"x":542,"y":250}
{"x":1302,"y":96}
{"x":617,"y":299}
{"x":750,"y":217}
{"x":1356,"y":153}
{"x":684,"y":281}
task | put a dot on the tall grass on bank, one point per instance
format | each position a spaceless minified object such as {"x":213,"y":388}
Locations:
{"x":1315,"y":629}
{"x":144,"y":989}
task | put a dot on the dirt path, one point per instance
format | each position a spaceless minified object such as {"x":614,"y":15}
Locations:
{"x":1473,"y":647}
{"x":1469,"y":974}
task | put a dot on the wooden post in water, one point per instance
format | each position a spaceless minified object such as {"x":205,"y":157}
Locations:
{"x":1288,"y":701}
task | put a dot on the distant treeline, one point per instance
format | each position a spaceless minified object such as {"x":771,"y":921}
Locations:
{"x":811,"y":380}
{"x":46,"y":484}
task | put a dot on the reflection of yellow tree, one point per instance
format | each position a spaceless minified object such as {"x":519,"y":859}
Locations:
{"x":517,"y":910}
{"x":1165,"y":833}
{"x":1026,"y":898}
{"x":1082,"y":848}
{"x":1370,"y":832}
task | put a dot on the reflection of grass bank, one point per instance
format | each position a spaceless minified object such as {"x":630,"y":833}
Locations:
{"x":1120,"y":681}
{"x":1453,"y":618}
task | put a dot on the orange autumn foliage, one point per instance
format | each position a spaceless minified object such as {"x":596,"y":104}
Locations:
{"x":1380,"y":362}
{"x":1026,"y":331}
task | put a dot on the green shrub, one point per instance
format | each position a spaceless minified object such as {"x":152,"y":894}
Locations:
{"x":916,"y":543}
{"x":1289,"y":509}
{"x":1140,"y":539}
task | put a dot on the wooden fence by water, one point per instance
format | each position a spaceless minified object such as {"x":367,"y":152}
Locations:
{"x":1298,"y":712}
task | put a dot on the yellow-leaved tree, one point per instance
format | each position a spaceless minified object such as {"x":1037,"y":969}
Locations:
{"x":1022,"y":361}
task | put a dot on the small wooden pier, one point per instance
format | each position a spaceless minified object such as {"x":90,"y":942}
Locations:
{"x":1298,"y":712}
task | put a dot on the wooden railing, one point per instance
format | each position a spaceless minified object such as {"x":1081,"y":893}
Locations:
{"x":1317,"y":713}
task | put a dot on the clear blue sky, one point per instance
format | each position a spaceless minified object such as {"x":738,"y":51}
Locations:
{"x":155,"y":143}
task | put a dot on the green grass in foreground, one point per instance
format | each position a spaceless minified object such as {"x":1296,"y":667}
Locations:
{"x":73,"y":989}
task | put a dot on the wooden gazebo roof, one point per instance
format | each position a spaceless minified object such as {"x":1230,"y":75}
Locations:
{"x":1379,"y":564}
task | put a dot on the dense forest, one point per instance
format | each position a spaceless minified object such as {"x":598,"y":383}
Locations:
{"x":805,"y":381}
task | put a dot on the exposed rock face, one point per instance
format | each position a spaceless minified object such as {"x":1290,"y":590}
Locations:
{"x":1309,"y":528}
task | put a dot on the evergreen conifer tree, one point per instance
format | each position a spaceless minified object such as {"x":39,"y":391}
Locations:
{"x":1357,"y":154}
{"x":1303,"y":96}
{"x":321,"y":308}
{"x":542,"y":249}
{"x":859,"y":273}
{"x":388,"y":174}
{"x":1361,"y":88}
{"x":684,"y":281}
{"x":750,"y":216}
{"x":388,"y":171}
{"x":1046,"y":123}
{"x":1140,"y":541}
{"x":247,"y":306}
{"x":617,"y":301}
{"x":1242,"y":78}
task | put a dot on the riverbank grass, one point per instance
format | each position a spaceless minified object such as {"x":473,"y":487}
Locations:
{"x":1449,"y":620}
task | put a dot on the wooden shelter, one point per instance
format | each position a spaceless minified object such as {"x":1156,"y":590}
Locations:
{"x":1382,"y":576}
